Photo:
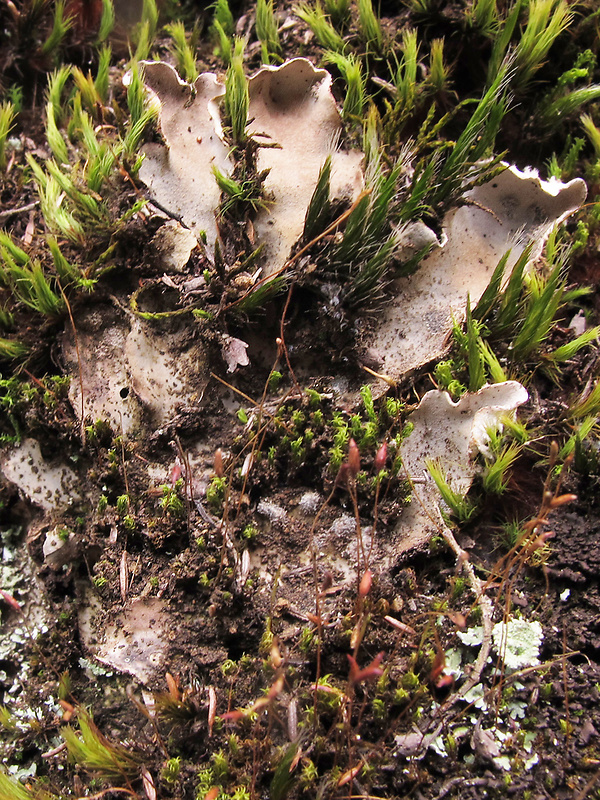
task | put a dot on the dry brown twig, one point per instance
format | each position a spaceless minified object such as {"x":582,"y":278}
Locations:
{"x":478,"y":588}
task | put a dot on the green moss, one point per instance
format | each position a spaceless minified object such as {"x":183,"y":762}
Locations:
{"x":410,"y":681}
{"x":216,"y":492}
{"x":250,"y":532}
{"x":171,"y":770}
{"x":171,"y":501}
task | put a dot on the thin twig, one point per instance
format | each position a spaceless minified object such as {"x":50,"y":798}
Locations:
{"x":11,"y":212}
{"x":79,"y":362}
{"x":478,"y":587}
{"x":106,"y":792}
{"x":189,"y":489}
{"x":487,"y":610}
{"x":281,"y":341}
{"x":588,"y":787}
{"x":334,"y":225}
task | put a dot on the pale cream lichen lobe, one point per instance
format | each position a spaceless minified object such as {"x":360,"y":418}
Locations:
{"x":293,"y":116}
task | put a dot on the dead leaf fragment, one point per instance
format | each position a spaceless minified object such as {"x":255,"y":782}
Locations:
{"x":415,"y":744}
{"x":234,"y":353}
{"x":148,"y":783}
{"x":484,"y":743}
{"x":124,"y":576}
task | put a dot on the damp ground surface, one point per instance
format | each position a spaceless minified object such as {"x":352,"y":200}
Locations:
{"x":224,"y":597}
